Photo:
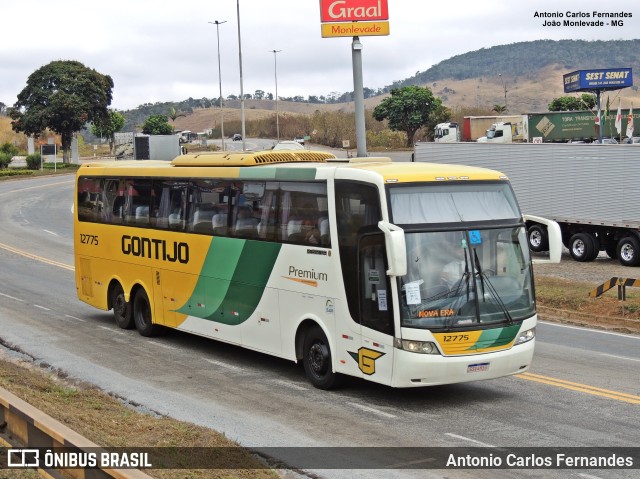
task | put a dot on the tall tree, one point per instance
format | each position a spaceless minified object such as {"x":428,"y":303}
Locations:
{"x":408,"y":109}
{"x":62,"y":96}
{"x":173,"y":114}
{"x":157,"y":125}
{"x":586,"y":101}
{"x":108,"y":127}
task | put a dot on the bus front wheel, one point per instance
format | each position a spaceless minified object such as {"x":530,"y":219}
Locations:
{"x":121,"y":308}
{"x":317,"y":359}
{"x":142,"y":315}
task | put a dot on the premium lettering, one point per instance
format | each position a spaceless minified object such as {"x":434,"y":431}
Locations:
{"x":307,"y":274}
{"x":152,"y":248}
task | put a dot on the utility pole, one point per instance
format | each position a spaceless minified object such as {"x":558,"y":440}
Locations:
{"x":217,"y":24}
{"x":275,"y":69}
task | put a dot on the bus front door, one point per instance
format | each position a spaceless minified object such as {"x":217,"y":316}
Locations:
{"x":375,"y":356}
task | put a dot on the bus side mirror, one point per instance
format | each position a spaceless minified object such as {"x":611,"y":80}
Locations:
{"x":396,"y":248}
{"x":554,"y":235}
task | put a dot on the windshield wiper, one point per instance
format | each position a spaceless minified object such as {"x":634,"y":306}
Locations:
{"x":482,"y":276}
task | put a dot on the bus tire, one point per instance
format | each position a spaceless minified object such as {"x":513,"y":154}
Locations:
{"x":538,"y":240}
{"x":628,"y":251}
{"x":316,"y":359}
{"x":142,"y":316}
{"x":121,"y":307}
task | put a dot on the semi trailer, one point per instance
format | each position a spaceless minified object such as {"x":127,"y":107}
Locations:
{"x":590,"y":190}
{"x":545,"y":127}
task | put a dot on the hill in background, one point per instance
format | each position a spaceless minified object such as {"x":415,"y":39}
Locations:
{"x":531,"y":72}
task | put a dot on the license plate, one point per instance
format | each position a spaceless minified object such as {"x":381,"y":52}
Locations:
{"x":476,"y":368}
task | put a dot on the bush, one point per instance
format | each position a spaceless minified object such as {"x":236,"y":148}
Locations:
{"x":5,"y":159}
{"x":9,"y":149}
{"x":33,"y":161}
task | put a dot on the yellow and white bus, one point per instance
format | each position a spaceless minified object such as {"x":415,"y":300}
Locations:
{"x":406,"y":274}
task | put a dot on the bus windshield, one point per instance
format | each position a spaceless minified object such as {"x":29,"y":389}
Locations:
{"x":463,"y":278}
{"x":475,"y":273}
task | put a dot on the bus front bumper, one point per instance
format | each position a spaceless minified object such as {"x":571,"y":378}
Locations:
{"x":416,"y":370}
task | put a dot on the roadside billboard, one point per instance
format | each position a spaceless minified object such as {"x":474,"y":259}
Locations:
{"x":353,"y":10}
{"x":598,"y":79}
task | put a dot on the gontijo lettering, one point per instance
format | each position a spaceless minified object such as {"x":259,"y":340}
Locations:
{"x":171,"y":251}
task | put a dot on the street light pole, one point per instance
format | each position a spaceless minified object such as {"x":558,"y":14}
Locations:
{"x":504,"y":86}
{"x":275,"y":70}
{"x":241,"y":87}
{"x":217,"y":24}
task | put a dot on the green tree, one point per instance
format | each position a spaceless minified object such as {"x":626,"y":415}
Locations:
{"x":408,"y":109}
{"x":108,"y":127}
{"x":157,"y":125}
{"x":499,"y":108}
{"x":586,"y":101}
{"x":63,"y":96}
{"x":173,"y":114}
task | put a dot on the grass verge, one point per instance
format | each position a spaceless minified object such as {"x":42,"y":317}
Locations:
{"x":108,"y":422}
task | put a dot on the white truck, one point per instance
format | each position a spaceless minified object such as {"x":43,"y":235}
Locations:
{"x":591,"y":191}
{"x":499,"y":133}
{"x":448,"y":132}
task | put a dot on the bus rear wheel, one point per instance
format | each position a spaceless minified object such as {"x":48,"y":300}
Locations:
{"x":317,"y":359}
{"x":121,"y":308}
{"x":142,"y":315}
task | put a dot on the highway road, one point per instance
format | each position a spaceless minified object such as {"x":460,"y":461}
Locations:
{"x":583,"y":389}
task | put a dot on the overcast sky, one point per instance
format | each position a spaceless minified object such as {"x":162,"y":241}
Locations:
{"x":158,"y":50}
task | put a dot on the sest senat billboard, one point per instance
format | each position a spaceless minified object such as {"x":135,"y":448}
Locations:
{"x":598,"y":79}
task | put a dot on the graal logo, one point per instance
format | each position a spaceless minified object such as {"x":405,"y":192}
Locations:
{"x":23,"y":458}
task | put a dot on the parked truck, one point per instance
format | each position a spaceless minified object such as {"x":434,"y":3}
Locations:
{"x":591,"y":191}
{"x":503,"y":132}
{"x":475,"y":127}
{"x":448,"y":132}
{"x":544,"y":127}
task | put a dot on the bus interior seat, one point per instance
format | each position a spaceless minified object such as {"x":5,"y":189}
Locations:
{"x":323,"y":226}
{"x":247,"y":227}
{"x":293,"y":227}
{"x":202,"y":219}
{"x":219,"y":224}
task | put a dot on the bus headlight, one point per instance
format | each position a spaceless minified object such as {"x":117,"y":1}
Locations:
{"x":525,"y":336}
{"x":422,"y":347}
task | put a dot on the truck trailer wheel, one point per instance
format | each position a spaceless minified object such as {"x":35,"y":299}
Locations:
{"x":581,"y":247}
{"x":538,"y":239}
{"x":629,"y":251}
{"x":596,"y":246}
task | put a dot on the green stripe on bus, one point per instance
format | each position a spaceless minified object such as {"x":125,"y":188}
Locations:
{"x":232,"y":281}
{"x":492,"y":338}
{"x":295,"y":174}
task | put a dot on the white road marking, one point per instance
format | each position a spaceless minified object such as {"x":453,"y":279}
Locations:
{"x":290,"y":385}
{"x":621,"y":357}
{"x":484,"y":444}
{"x":370,"y":409}
{"x":166,"y":346}
{"x":224,"y":365}
{"x":41,"y":307}
{"x":51,"y":232}
{"x":111,"y":330}
{"x":73,"y":317}
{"x":12,"y":297}
{"x":628,"y":336}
